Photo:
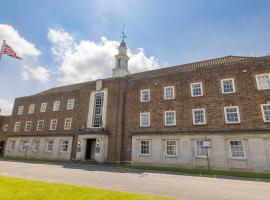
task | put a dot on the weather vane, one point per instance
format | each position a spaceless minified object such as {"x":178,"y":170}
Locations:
{"x":123,"y":36}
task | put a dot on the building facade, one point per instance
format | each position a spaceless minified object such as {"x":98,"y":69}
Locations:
{"x":213,"y":113}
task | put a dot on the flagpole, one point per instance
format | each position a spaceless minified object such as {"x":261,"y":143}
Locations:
{"x":2,"y":49}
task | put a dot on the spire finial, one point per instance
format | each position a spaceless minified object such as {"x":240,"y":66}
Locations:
{"x":123,"y":36}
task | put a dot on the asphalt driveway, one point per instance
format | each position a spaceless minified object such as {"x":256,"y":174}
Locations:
{"x":136,"y":181}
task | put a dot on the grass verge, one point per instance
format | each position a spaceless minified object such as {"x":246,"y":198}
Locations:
{"x":32,"y":160}
{"x":201,"y":171}
{"x":16,"y":189}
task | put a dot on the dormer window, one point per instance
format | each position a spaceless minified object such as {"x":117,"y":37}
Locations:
{"x":31,"y":109}
{"x":43,"y":107}
{"x":20,"y":110}
{"x":70,"y":104}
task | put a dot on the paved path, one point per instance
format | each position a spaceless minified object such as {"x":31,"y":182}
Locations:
{"x":172,"y":185}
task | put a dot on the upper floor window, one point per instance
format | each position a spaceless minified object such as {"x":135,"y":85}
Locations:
{"x":24,"y":146}
{"x":201,"y":150}
{"x":145,"y":119}
{"x":53,"y":124}
{"x":145,"y":95}
{"x":266,"y":112}
{"x":237,"y":149}
{"x":31,"y":109}
{"x":36,"y":146}
{"x":169,"y":92}
{"x":263,"y":81}
{"x":5,"y":127}
{"x":28,"y":125}
{"x":98,"y":110}
{"x":232,"y":115}
{"x":170,"y":118}
{"x":227,"y":86}
{"x":43,"y":107}
{"x":70,"y":104}
{"x":56,"y":105}
{"x":198,"y":116}
{"x":64,"y":146}
{"x":40,"y":125}
{"x":68,"y":122}
{"x":20,"y":110}
{"x":17,"y":127}
{"x":145,"y":147}
{"x":196,"y":89}
{"x":49,"y":146}
{"x":171,"y":148}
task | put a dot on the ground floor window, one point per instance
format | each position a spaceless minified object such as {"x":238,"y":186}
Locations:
{"x":145,"y":147}
{"x":35,"y":146}
{"x":64,"y":146}
{"x":237,"y":149}
{"x":171,"y":147}
{"x":12,"y":145}
{"x":201,"y":151}
{"x":49,"y":146}
{"x":24,"y":146}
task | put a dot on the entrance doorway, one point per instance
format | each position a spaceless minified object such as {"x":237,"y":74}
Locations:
{"x":90,"y":149}
{"x":2,"y":143}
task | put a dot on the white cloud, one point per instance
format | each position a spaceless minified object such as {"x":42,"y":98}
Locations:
{"x":88,"y":60}
{"x":39,"y":73}
{"x":5,"y":106}
{"x":17,"y":42}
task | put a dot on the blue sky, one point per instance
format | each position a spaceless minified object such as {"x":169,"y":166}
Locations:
{"x":65,"y":42}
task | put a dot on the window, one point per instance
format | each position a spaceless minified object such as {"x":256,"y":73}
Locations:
{"x":43,"y":107}
{"x":17,"y":127}
{"x":199,"y":116}
{"x":171,"y":148}
{"x":145,"y":95}
{"x":53,"y":124}
{"x":31,"y":109}
{"x":266,"y":112}
{"x":237,"y":149}
{"x":12,"y":145}
{"x":49,"y":146}
{"x":35,"y":146}
{"x":169,"y":92}
{"x":145,"y":119}
{"x":170,"y":119}
{"x":5,"y":127}
{"x":70,"y":104}
{"x":98,"y":109}
{"x":40,"y":125}
{"x":232,"y":115}
{"x":263,"y":81}
{"x":227,"y":86}
{"x":20,"y":110}
{"x":64,"y":146}
{"x":201,"y":151}
{"x":56,"y":105}
{"x":24,"y":146}
{"x":145,"y":150}
{"x":68,"y":122}
{"x":28,"y":126}
{"x":196,"y":89}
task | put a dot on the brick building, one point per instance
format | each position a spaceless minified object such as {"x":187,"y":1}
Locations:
{"x":212,"y":113}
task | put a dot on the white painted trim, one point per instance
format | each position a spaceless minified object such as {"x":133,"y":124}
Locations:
{"x":54,"y":103}
{"x":196,"y":155}
{"x":238,"y":158}
{"x":166,"y":120}
{"x":51,"y":125}
{"x":33,"y":148}
{"x":15,"y":126}
{"x":45,"y":107}
{"x":70,"y":104}
{"x":140,"y":149}
{"x":22,"y":145}
{"x":201,"y":86}
{"x":264,"y":120}
{"x":61,"y":149}
{"x":42,"y":124}
{"x":238,"y":113}
{"x":69,"y":118}
{"x":141,"y":119}
{"x":149,"y":94}
{"x":5,"y":128}
{"x":222,"y":85}
{"x":20,"y":110}
{"x":193,"y":116}
{"x":32,"y":105}
{"x":256,"y":76}
{"x":48,"y":145}
{"x":164,"y":92}
{"x":26,"y":125}
{"x":176,"y":148}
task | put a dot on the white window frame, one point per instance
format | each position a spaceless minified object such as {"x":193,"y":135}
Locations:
{"x":65,"y":124}
{"x":173,"y":92}
{"x":141,"y":95}
{"x":38,"y":125}
{"x":257,"y":82}
{"x":193,"y":116}
{"x":149,"y":118}
{"x":22,"y":145}
{"x":12,"y":145}
{"x":222,"y":85}
{"x":34,"y":145}
{"x":196,"y":148}
{"x":149,"y":146}
{"x":43,"y":107}
{"x":238,"y":113}
{"x":53,"y":121}
{"x":165,"y":117}
{"x":17,"y":126}
{"x":5,"y":128}
{"x":191,"y":88}
{"x":166,"y":146}
{"x":70,"y":104}
{"x":31,"y":109}
{"x":26,"y":128}
{"x":263,"y":115}
{"x":20,"y":110}
{"x":48,"y":151}
{"x":244,"y":151}
{"x":62,"y":144}
{"x":56,"y":106}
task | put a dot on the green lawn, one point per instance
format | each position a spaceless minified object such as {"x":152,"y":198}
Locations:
{"x":20,"y":189}
{"x":201,"y":171}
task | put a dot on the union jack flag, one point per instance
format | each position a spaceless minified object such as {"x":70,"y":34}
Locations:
{"x":7,"y":50}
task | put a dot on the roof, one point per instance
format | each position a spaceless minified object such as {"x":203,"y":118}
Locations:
{"x":189,"y":66}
